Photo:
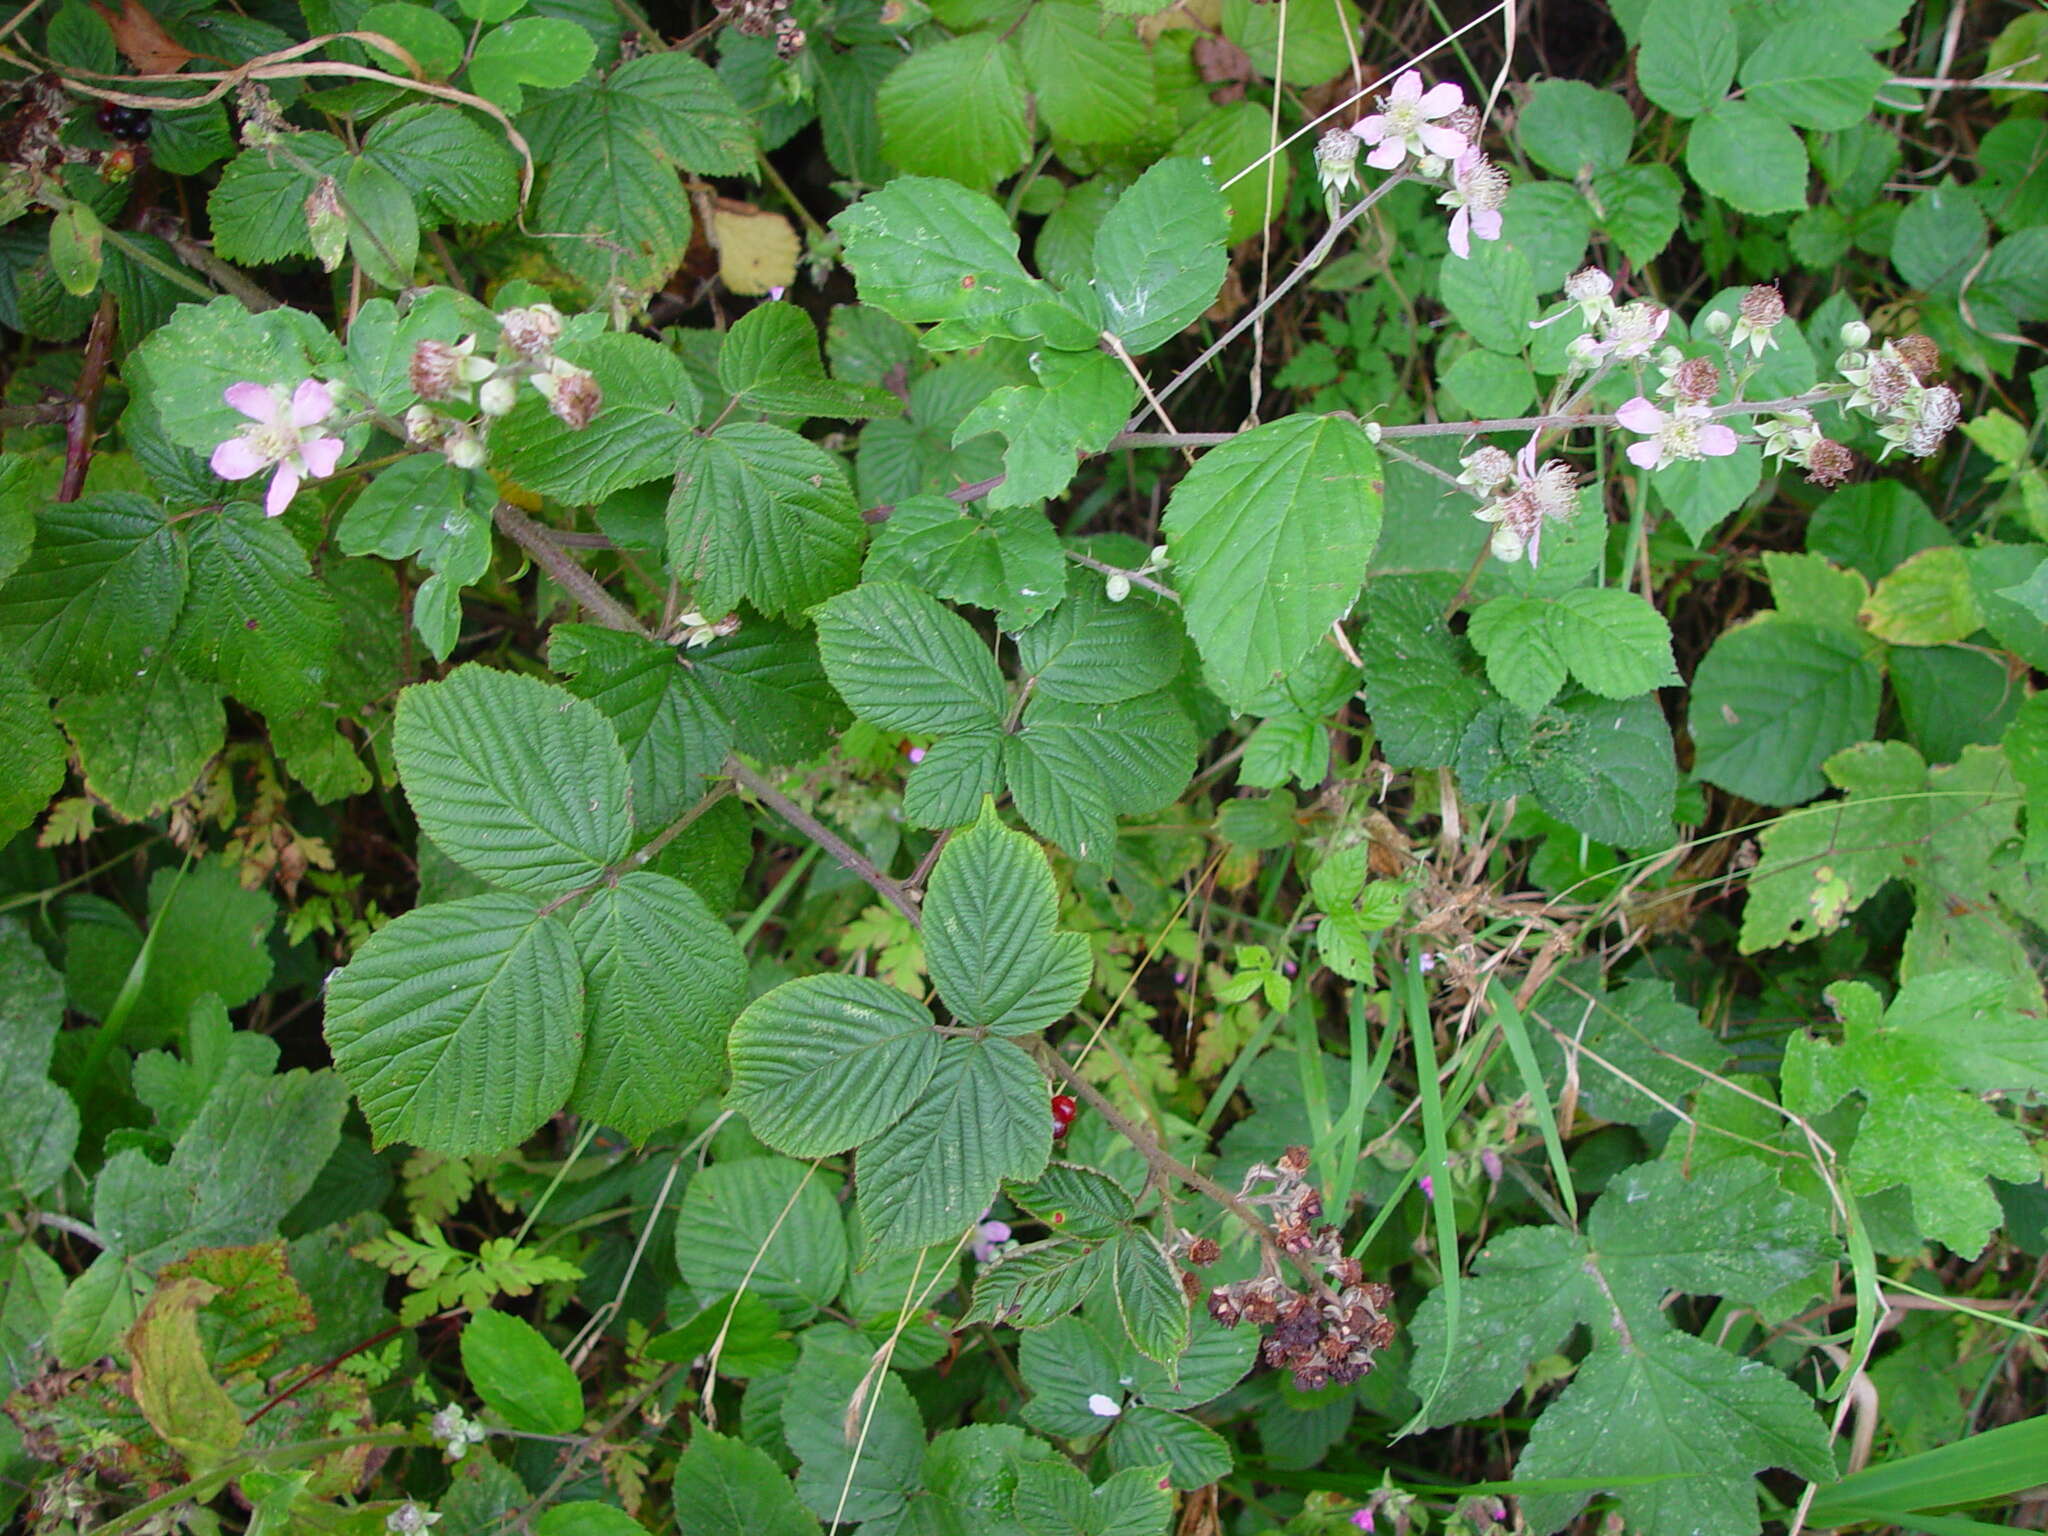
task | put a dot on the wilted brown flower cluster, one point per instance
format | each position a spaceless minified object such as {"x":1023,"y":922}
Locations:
{"x":1331,"y":1336}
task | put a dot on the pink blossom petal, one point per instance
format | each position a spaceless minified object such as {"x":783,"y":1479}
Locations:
{"x":1407,"y":88}
{"x":1644,"y":455}
{"x":1371,"y":129}
{"x":1460,"y":238}
{"x":258,"y":402}
{"x":1439,"y":140}
{"x":1638,"y":415}
{"x":1442,"y":99}
{"x":1388,"y":156}
{"x":284,"y":485}
{"x":1657,"y":325}
{"x":312,"y":402}
{"x":1486,"y":223}
{"x":237,"y":459}
{"x":1525,"y":460}
{"x":320,"y":455}
{"x":1717,"y":441}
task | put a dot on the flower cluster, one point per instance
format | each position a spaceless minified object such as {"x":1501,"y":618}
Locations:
{"x":764,"y":18}
{"x":1890,"y":385}
{"x":280,"y":437}
{"x":1329,"y":1337}
{"x":1435,"y":128}
{"x":1520,"y":497}
{"x":455,"y":1432}
{"x":445,"y":374}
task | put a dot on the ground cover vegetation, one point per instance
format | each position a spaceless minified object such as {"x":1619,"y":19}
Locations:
{"x":1023,"y":767}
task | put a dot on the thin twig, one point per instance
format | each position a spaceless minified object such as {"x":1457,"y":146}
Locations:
{"x":848,"y":856}
{"x":92,"y":377}
{"x":566,"y":573}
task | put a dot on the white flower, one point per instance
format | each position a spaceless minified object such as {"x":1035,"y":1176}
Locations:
{"x":1478,"y":187}
{"x":1633,"y":330}
{"x":1104,"y":1406}
{"x":278,"y":436}
{"x":1687,"y":432}
{"x":1522,"y":507}
{"x":455,"y":1432}
{"x":1484,"y":470}
{"x":1920,"y":430}
{"x":409,"y":1519}
{"x":1406,"y":123}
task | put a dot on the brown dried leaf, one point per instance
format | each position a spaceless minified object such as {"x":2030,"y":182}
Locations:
{"x":143,"y":41}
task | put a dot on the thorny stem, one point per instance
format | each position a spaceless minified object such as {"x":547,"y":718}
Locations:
{"x":848,"y":856}
{"x":567,"y":574}
{"x":1165,"y":1165}
{"x":78,"y":431}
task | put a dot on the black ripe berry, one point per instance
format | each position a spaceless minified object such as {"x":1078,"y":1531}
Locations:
{"x":128,"y":123}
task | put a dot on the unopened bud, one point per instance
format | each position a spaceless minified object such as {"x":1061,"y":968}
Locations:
{"x":1117,"y":588}
{"x":1855,"y":333}
{"x":497,"y":396}
{"x":1506,"y":544}
{"x":1719,"y":323}
{"x":465,"y":451}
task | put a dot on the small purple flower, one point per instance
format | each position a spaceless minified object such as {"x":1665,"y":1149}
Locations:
{"x":1426,"y":962}
{"x":1686,"y":432}
{"x":916,"y":755}
{"x":1362,"y":1519}
{"x":1489,"y":1159}
{"x":989,"y":1239}
{"x":1428,"y":1187}
{"x":1406,"y":123}
{"x":278,"y":437}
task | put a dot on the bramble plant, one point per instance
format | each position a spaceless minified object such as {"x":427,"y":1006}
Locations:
{"x":1022,"y":768}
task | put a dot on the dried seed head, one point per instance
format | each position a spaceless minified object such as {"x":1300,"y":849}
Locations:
{"x":435,"y":370}
{"x":1762,"y":307}
{"x":1828,"y":463}
{"x":1204,"y":1251}
{"x":1696,"y":380}
{"x":1940,"y":410}
{"x":1588,"y":284}
{"x":1920,"y":354}
{"x":1467,"y":121}
{"x":577,"y":397}
{"x":531,"y":329}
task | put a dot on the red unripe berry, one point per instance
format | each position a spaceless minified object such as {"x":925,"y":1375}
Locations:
{"x":1063,"y":1111}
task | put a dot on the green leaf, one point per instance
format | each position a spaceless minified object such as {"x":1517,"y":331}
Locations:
{"x":520,"y":783}
{"x":663,"y":979}
{"x":75,"y":237}
{"x":2026,"y":749}
{"x":1074,"y":768}
{"x":721,"y":1236}
{"x":1945,"y":1039}
{"x":1573,"y":129}
{"x":1090,"y":75}
{"x":927,"y":251}
{"x":146,"y":744}
{"x":761,"y":514}
{"x":906,"y":663}
{"x":1639,"y":209}
{"x":1077,"y":406}
{"x":1700,"y":492}
{"x":725,"y":1487}
{"x":1746,"y":157}
{"x":1030,"y":1287}
{"x":255,"y":618}
{"x":957,"y":109}
{"x":458,"y":171}
{"x":1609,"y":772}
{"x":1093,"y":651}
{"x":1194,"y":1454}
{"x":868,"y":1476}
{"x":459,"y":1025}
{"x":383,"y":225}
{"x":1064,"y":1365}
{"x":1149,"y":1298}
{"x":1492,"y":293}
{"x":769,"y":362}
{"x":1727,"y":1231}
{"x":41,"y":1133}
{"x":1519,"y":637}
{"x":674,"y":733}
{"x":827,"y":1062}
{"x":982,"y":1119}
{"x":94,"y":601}
{"x":1076,"y":1202}
{"x":946,"y":789}
{"x":1270,"y":535}
{"x":992,"y":939}
{"x":430,"y":37}
{"x":519,"y":1376}
{"x":1007,"y":559}
{"x":1687,"y":58}
{"x":587,"y":1517}
{"x":1927,"y":600}
{"x":32,"y":756}
{"x":534,"y":50}
{"x":1615,"y":643}
{"x":1159,"y":252}
{"x":636,"y":435}
{"x":258,"y":209}
{"x":1054,"y":1499}
{"x":1812,"y":75}
{"x":1232,"y":142}
{"x":1421,"y":680}
{"x":1626,"y":1049}
{"x":1774,"y":699}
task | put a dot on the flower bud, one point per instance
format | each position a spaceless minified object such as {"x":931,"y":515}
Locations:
{"x":1855,"y":333}
{"x":1507,"y":544}
{"x":424,"y":427}
{"x":498,"y":395}
{"x":1719,"y":323}
{"x":1373,"y":432}
{"x":465,"y":450}
{"x":1117,"y":588}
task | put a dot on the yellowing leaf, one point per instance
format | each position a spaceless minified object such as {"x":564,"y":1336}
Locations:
{"x":757,"y":250}
{"x":1926,"y":601}
{"x":172,"y":1385}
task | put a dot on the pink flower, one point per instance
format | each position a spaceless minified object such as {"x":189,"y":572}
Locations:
{"x":1428,"y":1187}
{"x":1478,"y":187}
{"x":1406,"y":123}
{"x":1686,"y":432}
{"x":989,"y":1238}
{"x":278,"y":436}
{"x":1362,"y":1519}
